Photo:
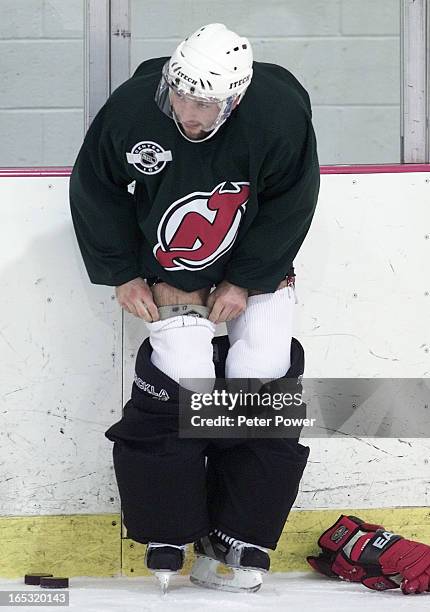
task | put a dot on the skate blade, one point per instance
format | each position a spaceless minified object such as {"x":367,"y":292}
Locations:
{"x":212,"y":574}
{"x":163,"y":577}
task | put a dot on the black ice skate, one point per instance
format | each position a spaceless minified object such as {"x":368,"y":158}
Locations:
{"x":164,"y":560}
{"x":222,"y":562}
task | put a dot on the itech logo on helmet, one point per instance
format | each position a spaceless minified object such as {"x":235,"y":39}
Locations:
{"x":241,"y":82}
{"x":186,"y":77}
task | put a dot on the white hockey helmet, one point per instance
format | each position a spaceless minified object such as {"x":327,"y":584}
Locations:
{"x":214,"y":65}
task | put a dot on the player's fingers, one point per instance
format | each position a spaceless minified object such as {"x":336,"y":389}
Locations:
{"x":223,"y":315}
{"x":131,"y":309}
{"x":210,"y":300}
{"x":153,"y":311}
{"x":215,"y":312}
{"x":147,"y":311}
{"x":227,"y":314}
{"x":233,"y":315}
{"x":142,"y":311}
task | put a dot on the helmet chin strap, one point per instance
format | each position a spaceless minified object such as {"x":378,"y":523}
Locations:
{"x":212,"y":133}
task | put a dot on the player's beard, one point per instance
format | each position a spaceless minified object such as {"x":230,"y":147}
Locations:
{"x":197,"y":133}
{"x":194,"y":133}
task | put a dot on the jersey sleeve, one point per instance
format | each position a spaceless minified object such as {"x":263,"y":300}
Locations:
{"x":287,"y":202}
{"x":103,"y":211}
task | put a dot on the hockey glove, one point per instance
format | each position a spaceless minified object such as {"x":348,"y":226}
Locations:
{"x":362,"y":552}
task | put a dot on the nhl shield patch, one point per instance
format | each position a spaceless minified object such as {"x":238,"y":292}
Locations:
{"x":148,"y":157}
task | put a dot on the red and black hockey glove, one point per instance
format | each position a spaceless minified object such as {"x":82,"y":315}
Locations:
{"x":361,"y":552}
{"x":335,"y":560}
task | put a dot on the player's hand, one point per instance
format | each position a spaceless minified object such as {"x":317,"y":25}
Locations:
{"x":226,"y":302}
{"x":137,"y":299}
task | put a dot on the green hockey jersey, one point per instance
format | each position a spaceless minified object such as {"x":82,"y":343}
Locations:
{"x":236,"y":206}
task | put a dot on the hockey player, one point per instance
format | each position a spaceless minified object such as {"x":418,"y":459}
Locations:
{"x":191,"y":195}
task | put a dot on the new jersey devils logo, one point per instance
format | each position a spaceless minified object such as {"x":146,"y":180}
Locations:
{"x":199,"y":228}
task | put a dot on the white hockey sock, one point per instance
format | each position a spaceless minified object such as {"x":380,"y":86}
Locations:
{"x":260,"y":338}
{"x":182,"y":349}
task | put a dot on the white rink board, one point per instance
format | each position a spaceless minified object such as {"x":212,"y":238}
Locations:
{"x":364,"y":278}
{"x":363,"y":282}
{"x":61,"y":344}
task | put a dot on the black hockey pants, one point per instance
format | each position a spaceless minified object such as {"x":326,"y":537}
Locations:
{"x":176,"y":490}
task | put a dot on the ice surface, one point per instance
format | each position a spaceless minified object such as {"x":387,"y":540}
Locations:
{"x":285,"y":592}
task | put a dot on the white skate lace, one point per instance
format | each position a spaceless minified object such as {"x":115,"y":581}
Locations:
{"x":161,"y":544}
{"x":236,"y":544}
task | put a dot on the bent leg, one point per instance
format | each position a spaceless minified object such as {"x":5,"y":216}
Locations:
{"x":259,"y":475}
{"x":252,"y":487}
{"x":161,"y":478}
{"x":163,"y":492}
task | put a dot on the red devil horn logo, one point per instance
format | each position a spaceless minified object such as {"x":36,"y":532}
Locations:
{"x":194,"y":230}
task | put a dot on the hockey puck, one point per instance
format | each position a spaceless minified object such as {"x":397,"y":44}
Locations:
{"x":53,"y":582}
{"x":35,"y":578}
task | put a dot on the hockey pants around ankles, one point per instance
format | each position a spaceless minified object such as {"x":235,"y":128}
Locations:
{"x":176,"y":490}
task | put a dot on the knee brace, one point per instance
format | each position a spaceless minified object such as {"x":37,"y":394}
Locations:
{"x":182,"y":346}
{"x":260,"y":338}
